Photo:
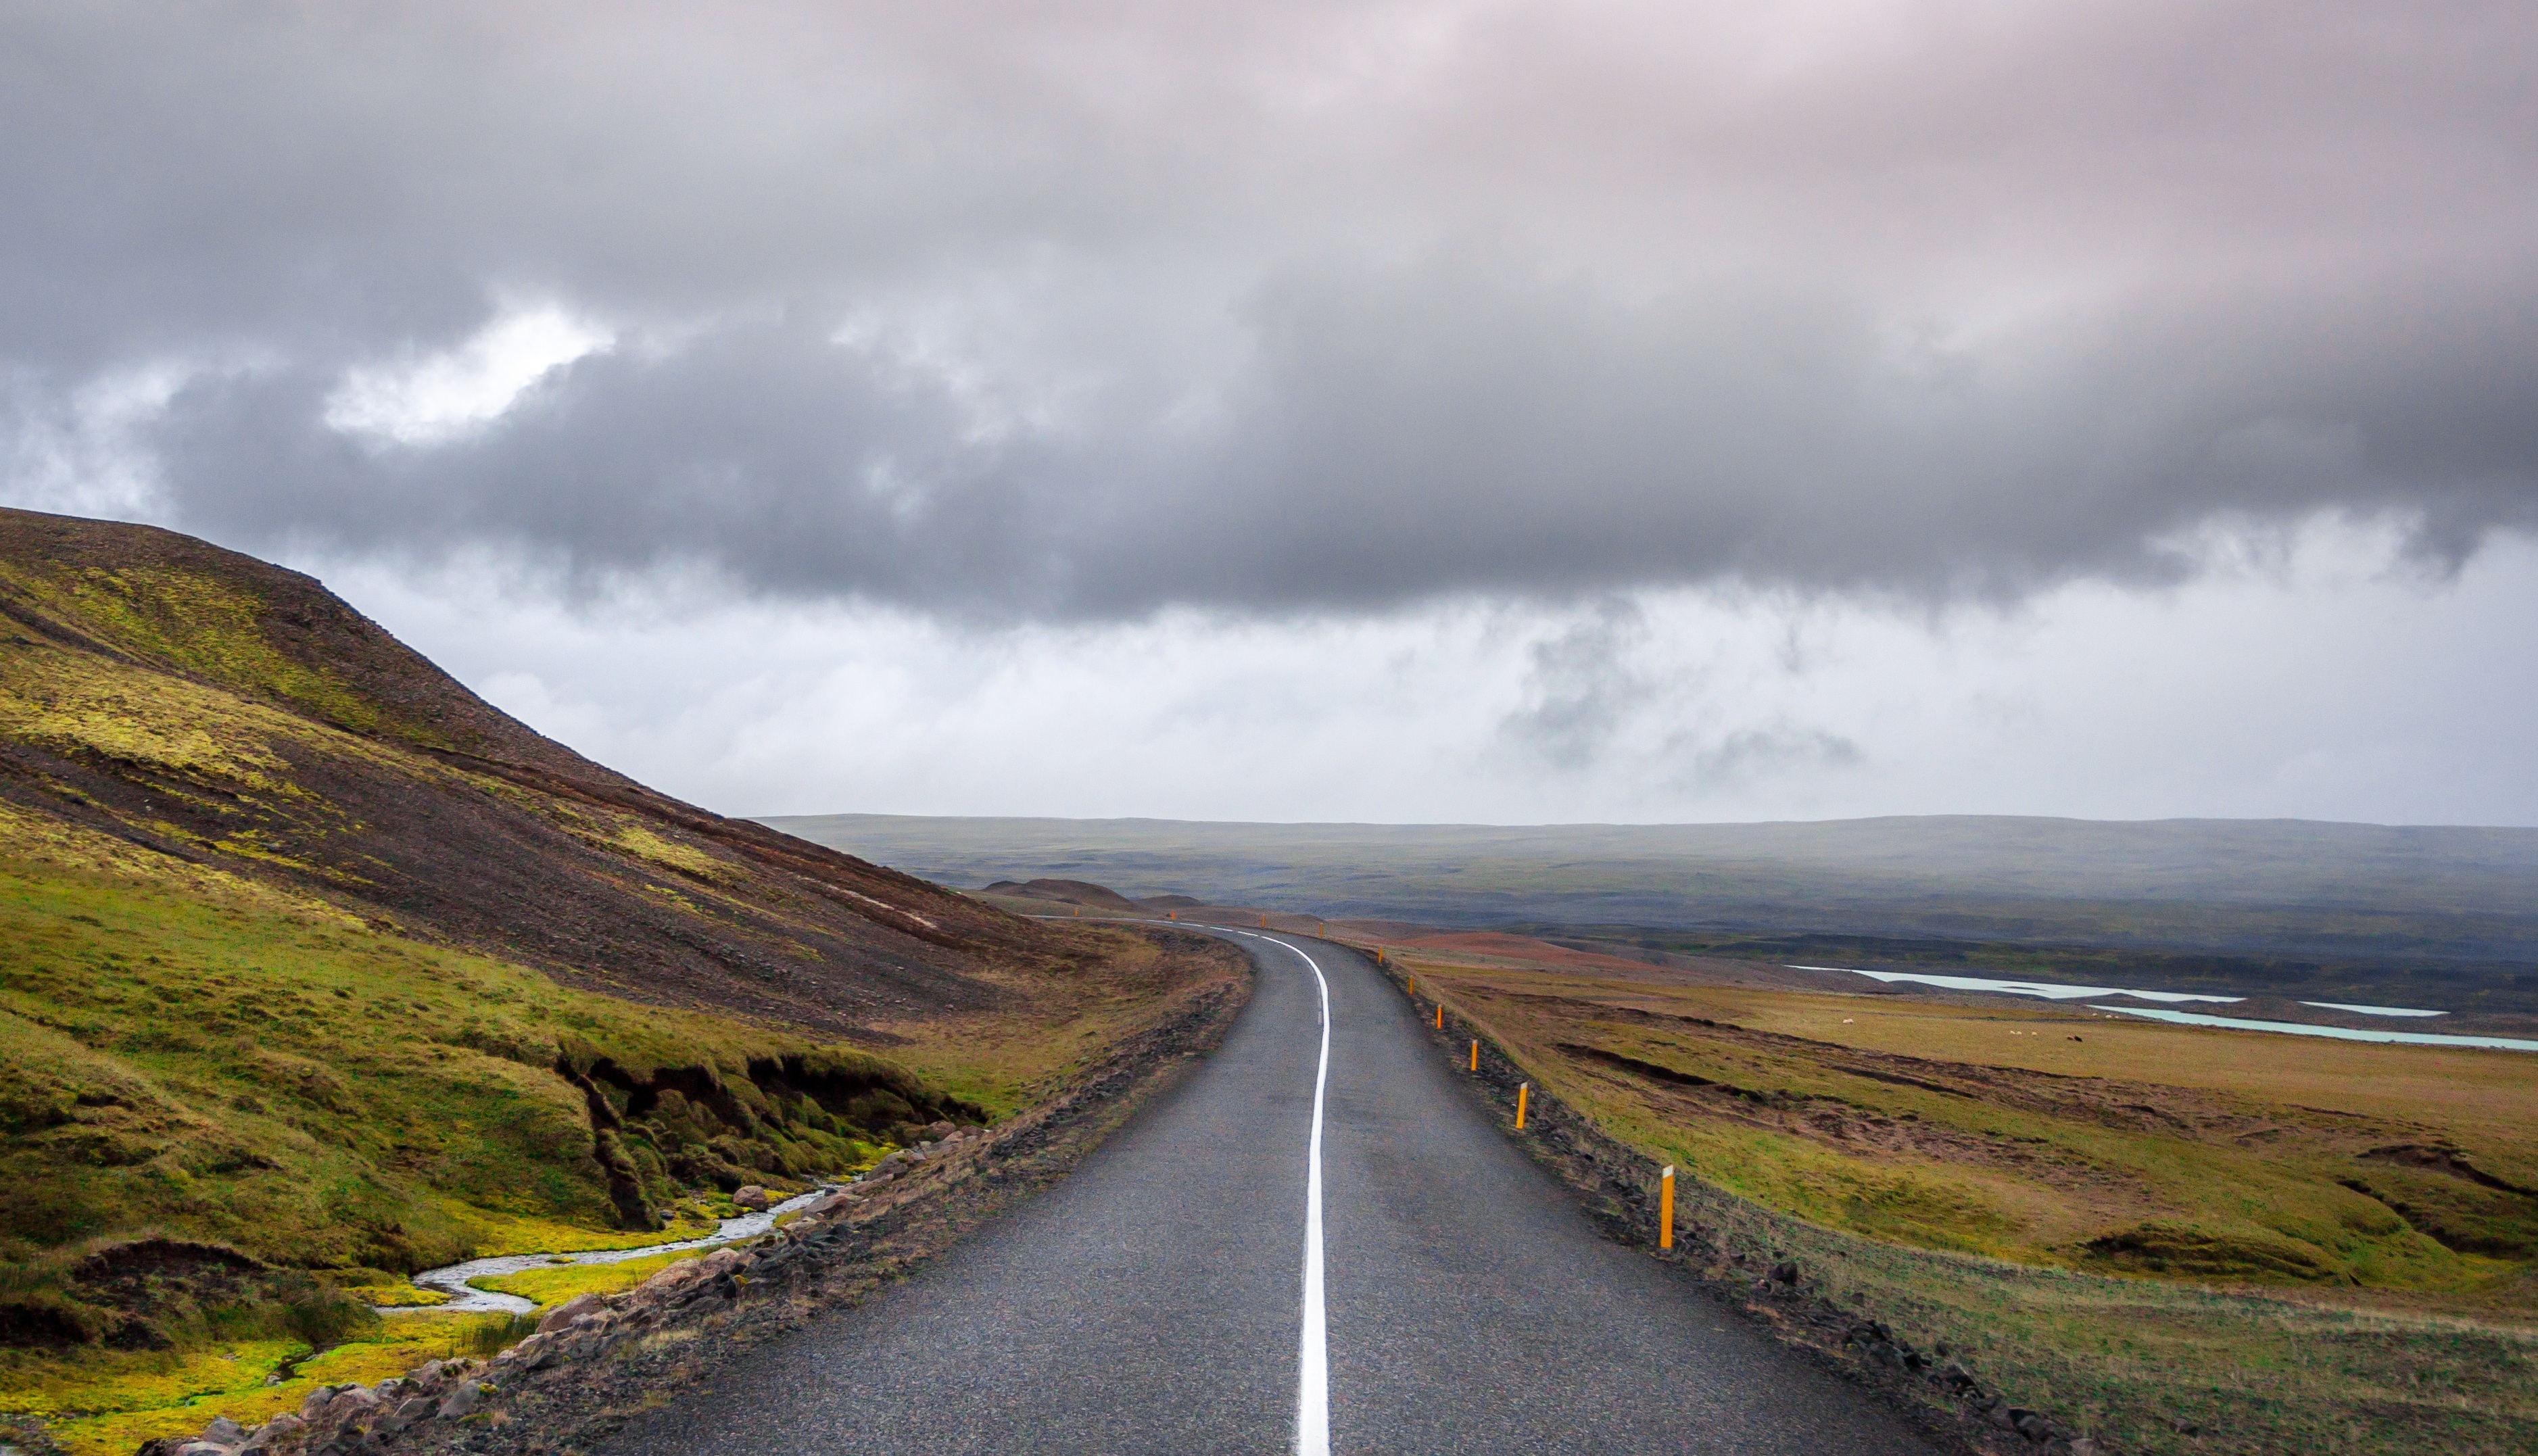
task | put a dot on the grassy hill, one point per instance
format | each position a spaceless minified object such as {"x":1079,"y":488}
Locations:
{"x":219,"y":711}
{"x":315,"y":969}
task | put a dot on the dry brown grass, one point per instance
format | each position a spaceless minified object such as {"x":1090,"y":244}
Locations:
{"x":2146,"y":1224}
{"x":1055,"y":1021}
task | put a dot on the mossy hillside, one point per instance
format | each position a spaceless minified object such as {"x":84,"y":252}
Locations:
{"x":210,"y":742}
{"x":196,"y":623}
{"x":234,"y":763}
{"x":79,"y":702}
{"x":218,"y":771}
{"x":306,"y":949}
{"x":227,"y":775}
{"x":336,"y":1097}
{"x":108,"y":1403}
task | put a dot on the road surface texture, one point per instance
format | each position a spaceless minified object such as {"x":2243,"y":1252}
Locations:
{"x":1158,"y":1299}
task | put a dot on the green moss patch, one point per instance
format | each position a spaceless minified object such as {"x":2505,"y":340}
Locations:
{"x":548,"y":1288}
{"x":104,"y":1403}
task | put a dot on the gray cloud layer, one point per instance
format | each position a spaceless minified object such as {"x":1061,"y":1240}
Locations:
{"x":1006,"y":311}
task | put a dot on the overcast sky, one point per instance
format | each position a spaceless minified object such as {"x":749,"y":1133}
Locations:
{"x":1490,"y":411}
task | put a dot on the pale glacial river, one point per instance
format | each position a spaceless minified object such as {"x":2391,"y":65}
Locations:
{"x":2058,"y":991}
{"x":2050,"y":990}
{"x":2340,"y":1033}
{"x":453,"y":1280}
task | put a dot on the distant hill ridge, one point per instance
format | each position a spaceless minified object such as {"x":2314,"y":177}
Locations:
{"x":2272,"y":886}
{"x":1084,"y":893}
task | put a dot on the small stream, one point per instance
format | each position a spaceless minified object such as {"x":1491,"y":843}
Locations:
{"x":465,"y":1297}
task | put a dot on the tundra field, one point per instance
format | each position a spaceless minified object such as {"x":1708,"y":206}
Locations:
{"x":2194,"y":1240}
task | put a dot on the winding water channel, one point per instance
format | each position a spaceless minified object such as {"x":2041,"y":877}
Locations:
{"x":454,"y":1279}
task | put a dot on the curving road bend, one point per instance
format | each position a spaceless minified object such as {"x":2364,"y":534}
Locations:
{"x":1160,"y":1299}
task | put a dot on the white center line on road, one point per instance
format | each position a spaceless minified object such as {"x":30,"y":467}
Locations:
{"x":1313,"y":1382}
{"x":1314,"y":1369}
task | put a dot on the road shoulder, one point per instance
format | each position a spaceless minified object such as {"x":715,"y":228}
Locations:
{"x":570,"y":1394}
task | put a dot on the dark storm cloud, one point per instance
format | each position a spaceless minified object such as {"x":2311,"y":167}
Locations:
{"x":1086,"y":315}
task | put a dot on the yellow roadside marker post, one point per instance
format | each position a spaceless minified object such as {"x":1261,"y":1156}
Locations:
{"x":1665,"y":1207}
{"x":1321,"y":927}
{"x":1440,"y":1015}
{"x":1175,"y":914}
{"x":1476,"y":1056}
{"x":1264,"y":922}
{"x":1521,"y":1090}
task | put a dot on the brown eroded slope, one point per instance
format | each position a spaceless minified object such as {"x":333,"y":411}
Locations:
{"x":210,"y":707}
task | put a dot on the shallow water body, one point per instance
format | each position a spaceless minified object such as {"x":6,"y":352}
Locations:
{"x":2340,"y":1033}
{"x":2050,"y":990}
{"x":466,"y":1299}
{"x":2056,"y":991}
{"x":2375,"y":1011}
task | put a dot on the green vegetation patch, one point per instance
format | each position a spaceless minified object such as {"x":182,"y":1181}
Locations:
{"x":2136,"y":1360}
{"x":224,"y":1069}
{"x":196,"y":624}
{"x":643,"y":843}
{"x":108,"y":1403}
{"x":2173,"y":1248}
{"x":320,"y":1094}
{"x":548,"y":1288}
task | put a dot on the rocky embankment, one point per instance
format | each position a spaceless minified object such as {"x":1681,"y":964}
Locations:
{"x":594,"y":1359}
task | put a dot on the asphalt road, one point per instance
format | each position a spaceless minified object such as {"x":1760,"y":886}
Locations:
{"x":1158,"y":1299}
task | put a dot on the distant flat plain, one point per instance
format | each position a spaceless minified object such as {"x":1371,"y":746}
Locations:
{"x":2441,"y":917}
